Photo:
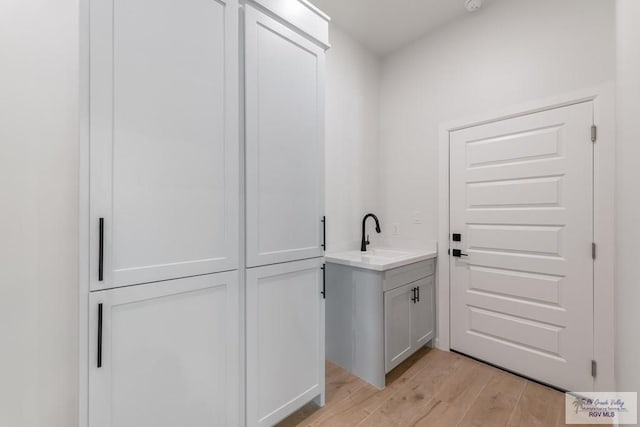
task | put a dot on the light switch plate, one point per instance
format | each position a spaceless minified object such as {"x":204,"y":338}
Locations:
{"x":396,"y":229}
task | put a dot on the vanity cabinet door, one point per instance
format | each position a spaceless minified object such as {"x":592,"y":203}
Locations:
{"x":423,"y":312}
{"x":285,"y":339}
{"x":284,"y":77}
{"x":166,"y":354}
{"x":399,"y":337}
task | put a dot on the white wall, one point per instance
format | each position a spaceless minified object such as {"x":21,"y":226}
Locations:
{"x":511,"y":52}
{"x":627,"y":196}
{"x":38,"y":213}
{"x":352,"y":110}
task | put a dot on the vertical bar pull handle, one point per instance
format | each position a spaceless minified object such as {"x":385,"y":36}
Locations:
{"x":99,"y":364}
{"x":418,"y":288}
{"x":324,"y":282}
{"x":101,"y":251}
{"x":324,"y":233}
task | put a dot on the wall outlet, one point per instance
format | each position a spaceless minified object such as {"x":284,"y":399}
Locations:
{"x":417,"y":217}
{"x":396,"y":229}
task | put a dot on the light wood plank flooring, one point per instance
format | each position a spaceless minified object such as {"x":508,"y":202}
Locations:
{"x":434,"y":388}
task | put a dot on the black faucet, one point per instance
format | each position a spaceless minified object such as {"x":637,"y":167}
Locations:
{"x":365,"y":242}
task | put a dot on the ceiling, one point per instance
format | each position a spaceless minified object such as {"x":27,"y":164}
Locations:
{"x":386,"y":25}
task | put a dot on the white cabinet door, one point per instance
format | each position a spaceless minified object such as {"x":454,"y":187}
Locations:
{"x":166,"y":354}
{"x":285,"y":339}
{"x":423,"y":312}
{"x":398,"y":342}
{"x":284,"y":142}
{"x":164,"y":145}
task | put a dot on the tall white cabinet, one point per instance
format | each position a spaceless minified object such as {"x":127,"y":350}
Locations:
{"x":187,"y":313}
{"x":284,"y":52}
{"x":164,"y":326}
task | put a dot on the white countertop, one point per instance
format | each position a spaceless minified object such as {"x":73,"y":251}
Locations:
{"x":379,"y":259}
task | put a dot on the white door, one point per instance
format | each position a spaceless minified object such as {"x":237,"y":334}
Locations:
{"x":398,"y":324}
{"x":285,"y":339}
{"x":284,"y":142}
{"x":166,"y":354}
{"x":163,"y":140}
{"x":423,"y":312}
{"x":522,"y":201}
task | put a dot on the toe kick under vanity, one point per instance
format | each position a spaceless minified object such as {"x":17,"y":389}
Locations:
{"x":380,"y":309}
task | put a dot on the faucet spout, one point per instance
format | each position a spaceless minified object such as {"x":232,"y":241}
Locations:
{"x":365,"y":238}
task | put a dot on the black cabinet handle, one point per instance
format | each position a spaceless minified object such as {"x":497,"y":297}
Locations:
{"x":414,"y":298}
{"x":324,"y":233}
{"x":418,"y":292}
{"x":99,"y":364}
{"x":324,"y":282}
{"x":101,"y":251}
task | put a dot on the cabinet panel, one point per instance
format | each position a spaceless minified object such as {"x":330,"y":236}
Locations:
{"x":164,"y":139}
{"x":398,"y":306}
{"x":168,"y":353}
{"x":423,"y":312}
{"x":284,"y":142}
{"x":285,"y":339}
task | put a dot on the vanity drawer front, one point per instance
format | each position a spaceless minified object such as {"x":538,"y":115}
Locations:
{"x":407,"y":274}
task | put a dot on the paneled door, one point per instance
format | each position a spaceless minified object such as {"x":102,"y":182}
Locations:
{"x":284,"y":142}
{"x":398,"y":334}
{"x":164,"y":148}
{"x":424,"y":312}
{"x":166,"y":354}
{"x":285,"y":339}
{"x":522,"y":267}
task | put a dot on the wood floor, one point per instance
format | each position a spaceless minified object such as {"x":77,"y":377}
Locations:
{"x":434,"y":388}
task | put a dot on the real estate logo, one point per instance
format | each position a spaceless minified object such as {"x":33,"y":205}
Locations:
{"x":601,"y":408}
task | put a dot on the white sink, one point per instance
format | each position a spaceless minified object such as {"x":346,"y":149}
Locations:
{"x":379,"y":259}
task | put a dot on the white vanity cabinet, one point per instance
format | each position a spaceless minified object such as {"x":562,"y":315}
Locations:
{"x":164,"y":147}
{"x":377,"y":318}
{"x":166,"y":354}
{"x":409,"y":320}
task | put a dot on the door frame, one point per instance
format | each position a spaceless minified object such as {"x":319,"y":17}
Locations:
{"x":602,"y":97}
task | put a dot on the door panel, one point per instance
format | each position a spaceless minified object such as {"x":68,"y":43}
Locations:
{"x":285,"y":339}
{"x":522,"y":198}
{"x":398,"y":335}
{"x":284,"y":142}
{"x":423,"y":313}
{"x":164,"y":139}
{"x":169,"y":352}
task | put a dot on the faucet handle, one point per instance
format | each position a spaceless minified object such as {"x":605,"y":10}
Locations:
{"x":368,"y":242}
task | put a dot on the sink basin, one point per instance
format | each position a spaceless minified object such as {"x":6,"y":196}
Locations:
{"x":379,"y":259}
